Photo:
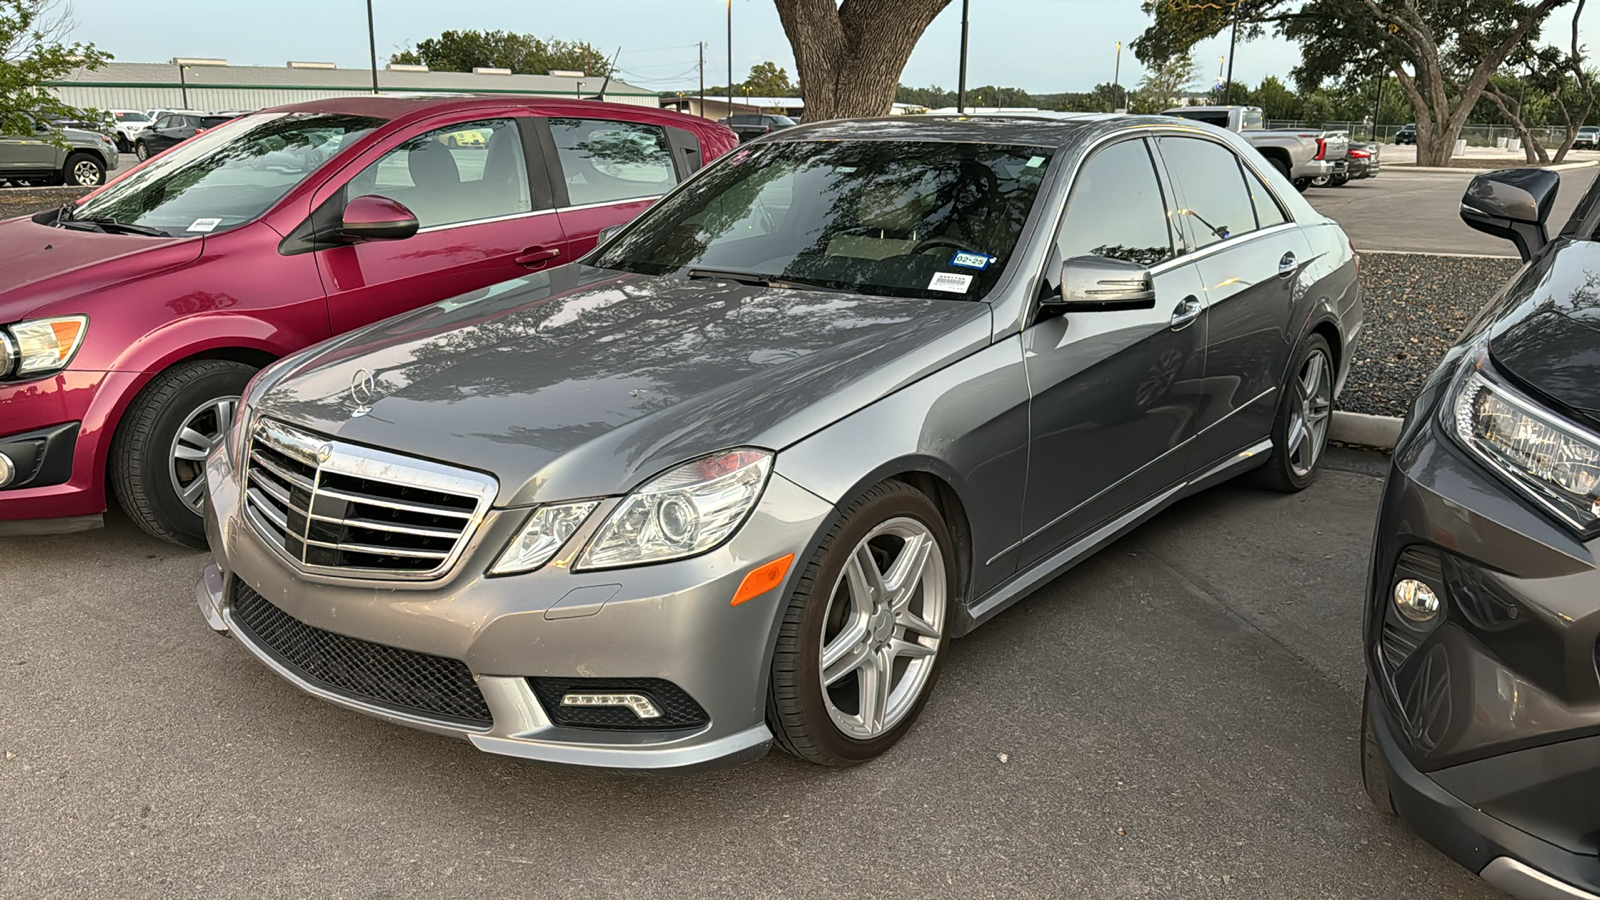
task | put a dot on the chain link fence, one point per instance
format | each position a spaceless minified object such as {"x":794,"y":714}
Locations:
{"x":1474,"y":135}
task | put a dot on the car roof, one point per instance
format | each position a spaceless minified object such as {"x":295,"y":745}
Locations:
{"x":1038,"y":129}
{"x":405,"y":106}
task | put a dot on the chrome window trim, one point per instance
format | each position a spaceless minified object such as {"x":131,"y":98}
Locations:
{"x":579,"y":206}
{"x":505,"y":218}
{"x":1219,"y":246}
{"x":377,"y":465}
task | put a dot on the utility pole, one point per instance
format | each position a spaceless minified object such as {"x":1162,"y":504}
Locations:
{"x":1116,"y":81}
{"x":702,"y":78}
{"x":372,"y":44}
{"x":1377,"y":106}
{"x":961,"y":82}
{"x":1233,"y":42}
{"x":183,"y":84}
{"x":730,"y":57}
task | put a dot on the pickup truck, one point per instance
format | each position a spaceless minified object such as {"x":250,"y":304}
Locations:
{"x":1303,"y":156}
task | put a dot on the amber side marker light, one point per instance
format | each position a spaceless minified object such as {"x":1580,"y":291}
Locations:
{"x":761,"y":579}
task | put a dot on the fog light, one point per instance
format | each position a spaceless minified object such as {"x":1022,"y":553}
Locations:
{"x":1415,"y":600}
{"x":639,"y":703}
{"x":8,"y":470}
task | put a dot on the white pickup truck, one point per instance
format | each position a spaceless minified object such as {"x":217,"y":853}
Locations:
{"x":1303,"y":156}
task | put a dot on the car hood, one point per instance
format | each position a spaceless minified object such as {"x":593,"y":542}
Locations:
{"x":43,"y":263}
{"x":582,"y":382}
{"x":1549,"y":336}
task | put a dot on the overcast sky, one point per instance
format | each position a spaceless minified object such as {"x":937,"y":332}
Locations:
{"x":1041,"y":46}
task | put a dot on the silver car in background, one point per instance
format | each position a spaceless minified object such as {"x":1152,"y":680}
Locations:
{"x":739,"y":476}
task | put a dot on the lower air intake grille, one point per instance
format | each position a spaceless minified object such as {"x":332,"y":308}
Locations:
{"x":402,"y":680}
{"x":678,"y":709}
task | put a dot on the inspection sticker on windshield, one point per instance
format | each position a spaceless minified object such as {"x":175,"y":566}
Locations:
{"x":204,"y":225}
{"x":971,"y":260}
{"x":950,"y":281}
{"x":1035,"y":162}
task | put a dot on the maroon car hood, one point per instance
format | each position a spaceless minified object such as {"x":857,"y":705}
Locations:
{"x":42,"y":263}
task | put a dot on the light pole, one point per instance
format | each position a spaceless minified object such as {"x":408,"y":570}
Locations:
{"x":372,"y":45}
{"x":578,"y":90}
{"x":730,"y":57}
{"x":961,"y":82}
{"x":1227,"y":96}
{"x":1116,"y":81}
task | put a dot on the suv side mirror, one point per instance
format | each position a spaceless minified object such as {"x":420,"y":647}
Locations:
{"x":374,"y":218}
{"x":1512,"y":204}
{"x":1102,"y":282}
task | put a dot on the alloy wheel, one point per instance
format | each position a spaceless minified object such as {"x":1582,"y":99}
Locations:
{"x":882,"y":628}
{"x":85,"y":174}
{"x":1309,"y":415}
{"x":141,"y":151}
{"x":200,"y":433}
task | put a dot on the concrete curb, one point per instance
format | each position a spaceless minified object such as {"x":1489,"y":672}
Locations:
{"x":1564,"y":167}
{"x":1364,"y":430}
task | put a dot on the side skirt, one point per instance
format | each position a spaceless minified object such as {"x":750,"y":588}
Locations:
{"x":1026,"y":582}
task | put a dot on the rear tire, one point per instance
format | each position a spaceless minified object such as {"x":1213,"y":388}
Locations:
{"x":1280,"y":165}
{"x":897,"y":617}
{"x":84,"y":170}
{"x":1374,"y":777}
{"x":158,"y":451}
{"x":1300,"y":428}
{"x":1300,"y":184}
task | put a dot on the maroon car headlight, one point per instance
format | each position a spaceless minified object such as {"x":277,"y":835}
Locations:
{"x":1552,"y":460}
{"x":40,"y":346}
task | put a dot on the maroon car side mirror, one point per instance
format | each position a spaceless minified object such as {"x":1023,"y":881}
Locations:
{"x":375,"y":218}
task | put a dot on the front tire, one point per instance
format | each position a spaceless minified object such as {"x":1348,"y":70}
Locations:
{"x":1300,"y":428}
{"x":141,"y":150}
{"x":122,"y":145}
{"x":158,"y":455}
{"x":866,"y":630}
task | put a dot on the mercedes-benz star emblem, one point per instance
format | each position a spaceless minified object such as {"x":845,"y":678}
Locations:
{"x":364,"y":391}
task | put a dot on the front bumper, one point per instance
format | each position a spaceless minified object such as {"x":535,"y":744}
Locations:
{"x":670,"y":621}
{"x":53,"y":503}
{"x":1489,"y":721}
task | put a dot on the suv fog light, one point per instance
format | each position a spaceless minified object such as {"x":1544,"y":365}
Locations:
{"x":639,"y":703}
{"x":1415,"y":600}
{"x":8,"y":470}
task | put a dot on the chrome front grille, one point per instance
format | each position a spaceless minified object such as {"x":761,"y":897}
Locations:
{"x":344,"y":509}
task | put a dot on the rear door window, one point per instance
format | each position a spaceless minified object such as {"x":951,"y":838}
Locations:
{"x":605,"y":161}
{"x":460,"y":173}
{"x":1216,"y":203}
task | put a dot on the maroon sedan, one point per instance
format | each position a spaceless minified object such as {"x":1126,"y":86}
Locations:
{"x":130,"y":323}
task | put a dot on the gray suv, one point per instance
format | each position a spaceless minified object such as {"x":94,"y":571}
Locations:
{"x":738,"y":477}
{"x":80,"y":158}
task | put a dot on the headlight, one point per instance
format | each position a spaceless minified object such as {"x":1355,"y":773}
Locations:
{"x":1553,"y":461}
{"x":547,"y":529}
{"x":682,"y":512}
{"x":40,"y":346}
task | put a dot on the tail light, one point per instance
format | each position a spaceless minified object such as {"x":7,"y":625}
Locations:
{"x":1359,"y":154}
{"x":1322,"y":149}
{"x":202,"y":131}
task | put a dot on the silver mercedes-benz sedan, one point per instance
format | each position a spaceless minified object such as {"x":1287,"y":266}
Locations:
{"x":738,"y":476}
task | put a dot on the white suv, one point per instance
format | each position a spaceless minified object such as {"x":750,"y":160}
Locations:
{"x":130,"y":124}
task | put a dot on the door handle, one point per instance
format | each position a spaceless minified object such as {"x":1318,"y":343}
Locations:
{"x":1186,"y":313}
{"x":1288,"y":265}
{"x":534,"y":256}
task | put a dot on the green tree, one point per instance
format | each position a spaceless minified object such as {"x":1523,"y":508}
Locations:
{"x":1165,"y":83}
{"x":524,"y":54}
{"x":34,"y":51}
{"x":1276,"y":99}
{"x":1442,"y":52}
{"x":768,"y":79}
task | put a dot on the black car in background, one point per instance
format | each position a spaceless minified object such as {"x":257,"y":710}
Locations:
{"x":173,"y":128}
{"x":750,"y":127}
{"x":1481,"y":726}
{"x":1407,"y":134}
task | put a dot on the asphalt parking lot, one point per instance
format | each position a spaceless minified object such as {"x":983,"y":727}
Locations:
{"x":1175,"y":718}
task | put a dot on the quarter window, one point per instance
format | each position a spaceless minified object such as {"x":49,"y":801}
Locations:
{"x":459,"y":173}
{"x":1216,"y":203}
{"x":603,"y":162}
{"x":1268,"y":212}
{"x":1116,"y":208}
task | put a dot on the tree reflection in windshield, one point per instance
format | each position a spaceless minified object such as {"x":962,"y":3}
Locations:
{"x":877,"y":217}
{"x":227,"y":176}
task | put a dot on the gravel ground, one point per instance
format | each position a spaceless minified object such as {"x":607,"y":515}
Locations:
{"x":1417,"y":306}
{"x":21,"y":201}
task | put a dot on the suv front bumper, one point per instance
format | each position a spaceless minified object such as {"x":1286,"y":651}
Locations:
{"x":670,"y":621}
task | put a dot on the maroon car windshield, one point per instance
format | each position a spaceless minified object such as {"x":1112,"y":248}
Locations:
{"x":225,"y":176}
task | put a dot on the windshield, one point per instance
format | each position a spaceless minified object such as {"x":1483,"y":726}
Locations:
{"x":782,"y":121}
{"x":893,"y":218}
{"x":132,"y":117}
{"x":225,"y":176}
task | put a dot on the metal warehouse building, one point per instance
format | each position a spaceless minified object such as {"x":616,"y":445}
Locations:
{"x":213,"y":85}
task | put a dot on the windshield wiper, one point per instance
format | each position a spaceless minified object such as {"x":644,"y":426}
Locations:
{"x":106,"y":223}
{"x":759,"y":280}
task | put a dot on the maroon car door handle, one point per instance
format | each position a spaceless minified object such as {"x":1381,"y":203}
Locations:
{"x":534,"y":256}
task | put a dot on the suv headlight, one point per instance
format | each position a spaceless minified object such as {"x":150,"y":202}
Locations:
{"x":40,"y":346}
{"x":1553,"y":461}
{"x":681,"y":512}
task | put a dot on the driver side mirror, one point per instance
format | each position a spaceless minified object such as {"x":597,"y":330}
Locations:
{"x":1512,"y":204}
{"x":375,"y":218}
{"x":1102,"y":282}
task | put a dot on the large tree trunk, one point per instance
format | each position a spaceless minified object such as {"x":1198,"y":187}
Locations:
{"x":850,"y":55}
{"x":1532,"y":150}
